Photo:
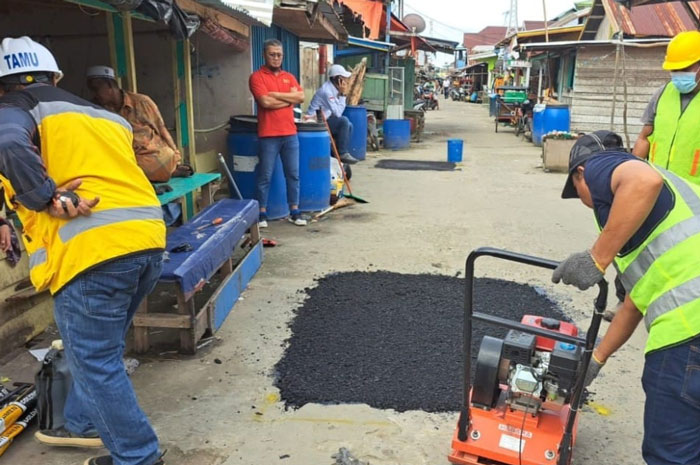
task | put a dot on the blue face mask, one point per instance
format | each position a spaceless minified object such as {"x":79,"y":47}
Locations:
{"x":684,"y":81}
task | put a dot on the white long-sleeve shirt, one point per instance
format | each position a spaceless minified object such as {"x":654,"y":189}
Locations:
{"x":329,"y":100}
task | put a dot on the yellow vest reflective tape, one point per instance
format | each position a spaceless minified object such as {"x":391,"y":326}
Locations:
{"x":106,"y":217}
{"x":45,"y":109}
{"x":669,"y":238}
{"x":37,"y":258}
{"x":671,"y":300}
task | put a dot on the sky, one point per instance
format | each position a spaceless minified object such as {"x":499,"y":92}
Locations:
{"x":450,"y":19}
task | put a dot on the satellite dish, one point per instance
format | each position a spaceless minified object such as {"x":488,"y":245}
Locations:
{"x":415,"y":22}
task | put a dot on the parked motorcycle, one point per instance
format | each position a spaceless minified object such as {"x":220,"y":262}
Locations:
{"x":430,"y":99}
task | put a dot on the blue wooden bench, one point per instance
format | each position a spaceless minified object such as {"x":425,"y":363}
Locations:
{"x":184,"y":188}
{"x":212,"y":251}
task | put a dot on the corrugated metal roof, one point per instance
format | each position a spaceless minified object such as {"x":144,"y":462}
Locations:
{"x":490,"y":35}
{"x":261,"y":10}
{"x":656,"y":20}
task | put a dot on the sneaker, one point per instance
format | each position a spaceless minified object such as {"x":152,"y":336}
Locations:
{"x":262,"y":220}
{"x":107,"y":460}
{"x":297,"y":219}
{"x":349,"y":159}
{"x":61,"y":437}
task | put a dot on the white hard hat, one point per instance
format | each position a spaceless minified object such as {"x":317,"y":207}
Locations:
{"x":23,"y":57}
{"x":338,"y":70}
{"x":100,"y":71}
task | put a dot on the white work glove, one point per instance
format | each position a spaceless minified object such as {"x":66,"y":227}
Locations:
{"x":579,"y":270}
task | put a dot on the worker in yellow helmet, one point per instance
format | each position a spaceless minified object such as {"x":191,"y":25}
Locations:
{"x":94,"y":231}
{"x":670,"y":137}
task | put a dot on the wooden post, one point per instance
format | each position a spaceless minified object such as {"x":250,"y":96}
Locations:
{"x":129,"y":52}
{"x":184,"y":113}
{"x":121,"y":49}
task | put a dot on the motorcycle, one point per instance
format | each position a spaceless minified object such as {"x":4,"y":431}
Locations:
{"x":524,"y":124}
{"x":430,"y":99}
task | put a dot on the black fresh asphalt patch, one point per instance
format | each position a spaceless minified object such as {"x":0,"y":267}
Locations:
{"x":393,"y":341}
{"x":415,"y":165}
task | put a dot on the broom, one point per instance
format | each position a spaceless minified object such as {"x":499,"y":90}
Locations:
{"x":337,"y":157}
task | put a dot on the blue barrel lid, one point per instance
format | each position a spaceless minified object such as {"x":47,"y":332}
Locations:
{"x":310,"y":126}
{"x":243,"y":123}
{"x":557,"y":105}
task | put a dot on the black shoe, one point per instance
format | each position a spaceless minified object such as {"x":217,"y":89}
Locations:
{"x":61,"y":437}
{"x":349,"y":159}
{"x":107,"y":460}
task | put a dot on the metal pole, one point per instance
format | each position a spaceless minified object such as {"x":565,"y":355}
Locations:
{"x":546,"y":26}
{"x":387,"y":60}
{"x":539,"y":85}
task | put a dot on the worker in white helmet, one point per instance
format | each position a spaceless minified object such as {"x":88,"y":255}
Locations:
{"x":95,"y":236}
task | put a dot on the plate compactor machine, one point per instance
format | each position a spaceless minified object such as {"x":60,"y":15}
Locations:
{"x":523,"y":406}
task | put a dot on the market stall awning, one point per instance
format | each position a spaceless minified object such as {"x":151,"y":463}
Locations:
{"x":441,"y":45}
{"x":314,"y":22}
{"x":259,"y":10}
{"x":370,"y":44}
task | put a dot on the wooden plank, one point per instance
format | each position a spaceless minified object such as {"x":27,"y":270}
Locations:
{"x":223,"y":19}
{"x":188,"y":342}
{"x":162,"y":320}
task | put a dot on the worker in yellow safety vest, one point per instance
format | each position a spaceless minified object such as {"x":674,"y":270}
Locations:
{"x":649,"y":221}
{"x":93,"y":228}
{"x":670,"y":137}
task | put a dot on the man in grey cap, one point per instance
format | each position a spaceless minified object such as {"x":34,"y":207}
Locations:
{"x":649,"y":222}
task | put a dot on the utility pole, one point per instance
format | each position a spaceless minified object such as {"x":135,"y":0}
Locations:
{"x":512,"y":25}
{"x":387,"y":61}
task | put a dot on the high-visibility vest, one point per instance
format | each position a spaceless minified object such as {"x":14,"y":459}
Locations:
{"x":79,"y":140}
{"x":675,"y":142}
{"x":662,"y":274}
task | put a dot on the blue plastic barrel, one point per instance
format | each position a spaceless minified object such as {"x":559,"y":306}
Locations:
{"x":556,"y":118}
{"x":538,"y":124}
{"x":454,"y":150}
{"x":243,"y":162}
{"x":314,"y":167}
{"x":397,"y":133}
{"x":358,"y":139}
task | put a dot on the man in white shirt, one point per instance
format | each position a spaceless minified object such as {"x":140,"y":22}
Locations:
{"x":330,"y":98}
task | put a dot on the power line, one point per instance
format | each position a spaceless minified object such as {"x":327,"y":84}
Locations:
{"x":437,"y":21}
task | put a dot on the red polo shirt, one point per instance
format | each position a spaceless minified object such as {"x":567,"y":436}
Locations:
{"x":274,"y":123}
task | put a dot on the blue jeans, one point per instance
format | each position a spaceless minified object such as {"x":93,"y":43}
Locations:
{"x":287,"y":147}
{"x":93,"y":313}
{"x":341,"y":128}
{"x":671,"y":381}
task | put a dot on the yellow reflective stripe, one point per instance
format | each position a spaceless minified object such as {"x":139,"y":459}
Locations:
{"x":37,"y":258}
{"x":45,"y":109}
{"x":672,"y":299}
{"x":668,"y":239}
{"x":107,"y":217}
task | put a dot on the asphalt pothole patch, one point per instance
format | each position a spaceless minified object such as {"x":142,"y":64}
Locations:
{"x":390,"y":340}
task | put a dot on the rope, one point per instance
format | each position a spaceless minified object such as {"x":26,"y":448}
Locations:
{"x":215,"y":128}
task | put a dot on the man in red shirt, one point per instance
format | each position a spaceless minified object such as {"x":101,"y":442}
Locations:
{"x":276,"y":92}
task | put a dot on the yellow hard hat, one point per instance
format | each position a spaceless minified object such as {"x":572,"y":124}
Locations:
{"x":683,"y":51}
